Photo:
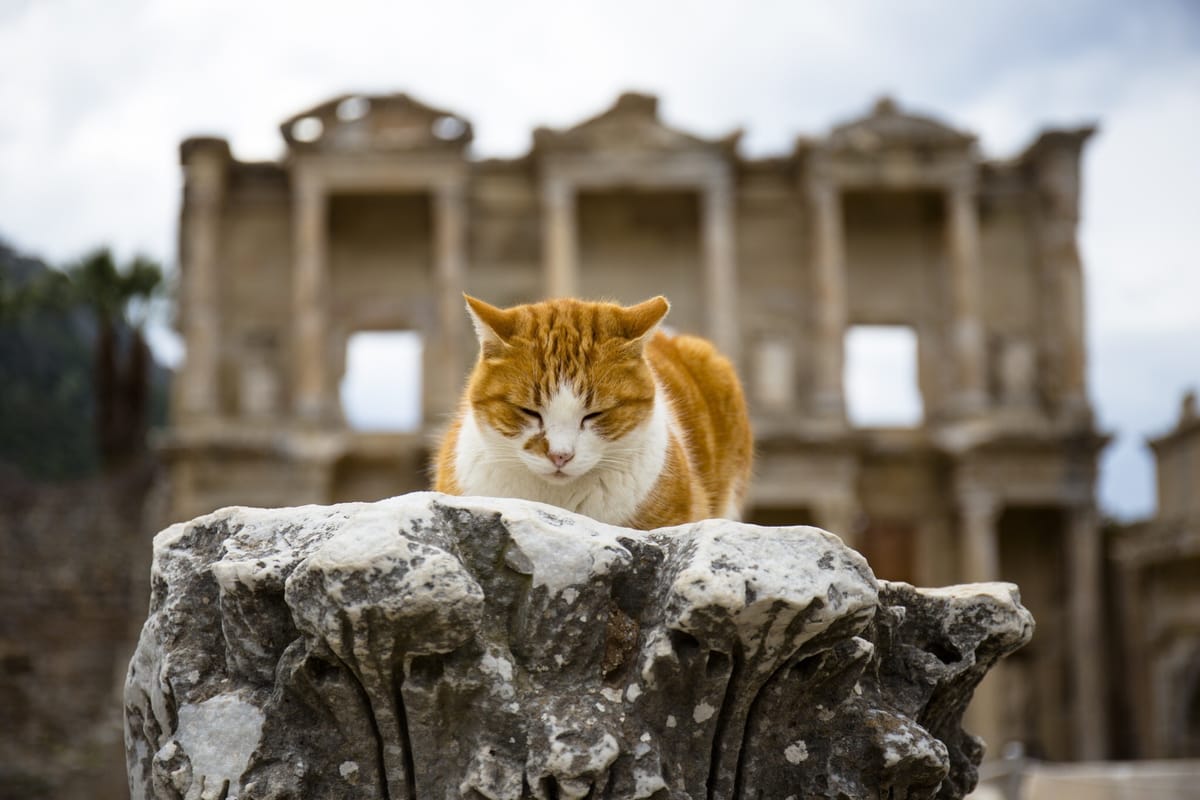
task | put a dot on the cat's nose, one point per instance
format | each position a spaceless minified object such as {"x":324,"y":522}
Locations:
{"x":562,"y":458}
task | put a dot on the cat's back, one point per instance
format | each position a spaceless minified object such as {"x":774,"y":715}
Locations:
{"x":710,"y":408}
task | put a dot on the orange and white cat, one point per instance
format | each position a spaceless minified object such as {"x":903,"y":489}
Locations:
{"x":589,"y":407}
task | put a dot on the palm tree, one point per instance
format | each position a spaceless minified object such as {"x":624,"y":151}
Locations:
{"x":121,"y":378}
{"x":116,"y":298}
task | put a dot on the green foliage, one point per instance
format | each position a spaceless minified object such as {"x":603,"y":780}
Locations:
{"x":61,"y":333}
{"x":94,"y":282}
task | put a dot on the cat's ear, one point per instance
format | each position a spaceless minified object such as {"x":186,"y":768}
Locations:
{"x":643,"y":318}
{"x":492,"y":325}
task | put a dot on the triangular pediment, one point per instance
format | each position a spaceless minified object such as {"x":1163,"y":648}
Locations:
{"x":631,"y":125}
{"x":889,"y":128}
{"x":392,"y":122}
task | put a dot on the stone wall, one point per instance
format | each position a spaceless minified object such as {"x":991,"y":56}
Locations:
{"x":433,"y":647}
{"x":73,"y":564}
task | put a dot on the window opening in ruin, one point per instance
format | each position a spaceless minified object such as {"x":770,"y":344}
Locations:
{"x":880,"y":377}
{"x":353,"y":108}
{"x":308,"y":129}
{"x":381,"y":388}
{"x":449,"y":128}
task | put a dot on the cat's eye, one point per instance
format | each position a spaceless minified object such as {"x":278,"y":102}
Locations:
{"x":590,"y":417}
{"x":529,"y":412}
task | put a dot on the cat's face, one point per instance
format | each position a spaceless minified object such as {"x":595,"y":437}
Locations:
{"x":561,"y":385}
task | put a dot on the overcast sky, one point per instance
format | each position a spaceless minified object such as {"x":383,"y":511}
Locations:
{"x":97,"y":96}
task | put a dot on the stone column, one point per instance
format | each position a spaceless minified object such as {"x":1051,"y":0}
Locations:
{"x":1132,"y":617}
{"x":311,"y":290}
{"x":720,"y":269}
{"x":444,"y":351}
{"x":979,"y":550}
{"x":1057,"y":178}
{"x":935,"y":565}
{"x":979,"y":555}
{"x":1089,"y":725}
{"x":1064,"y":262}
{"x":560,"y":243}
{"x":967,"y":334}
{"x":206,"y":164}
{"x":829,"y":299}
{"x":839,"y":515}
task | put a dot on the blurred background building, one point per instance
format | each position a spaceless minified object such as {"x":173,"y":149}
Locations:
{"x":1156,"y":566}
{"x":377,"y":220}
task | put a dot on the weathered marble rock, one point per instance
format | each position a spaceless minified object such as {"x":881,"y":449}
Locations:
{"x":436,"y":647}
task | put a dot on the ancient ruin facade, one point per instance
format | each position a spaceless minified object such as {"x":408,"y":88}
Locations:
{"x":1157,"y":565}
{"x":378,"y":218}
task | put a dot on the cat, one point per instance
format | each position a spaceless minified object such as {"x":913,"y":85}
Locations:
{"x":588,"y":406}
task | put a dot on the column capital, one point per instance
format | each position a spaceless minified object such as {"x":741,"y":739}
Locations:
{"x":818,"y":168}
{"x":963,"y":179}
{"x":978,"y":502}
{"x":979,"y":510}
{"x":558,"y":191}
{"x":821,"y":189}
{"x":205,"y":182}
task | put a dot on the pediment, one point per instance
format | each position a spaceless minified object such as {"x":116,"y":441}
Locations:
{"x":631,"y":125}
{"x":368,"y":123}
{"x":889,"y":128}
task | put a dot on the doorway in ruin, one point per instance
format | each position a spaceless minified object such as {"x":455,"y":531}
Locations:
{"x":1037,"y":686}
{"x":889,"y":545}
{"x":1189,"y":745}
{"x":634,"y":244}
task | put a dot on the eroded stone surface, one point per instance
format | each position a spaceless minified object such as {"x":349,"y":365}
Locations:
{"x":437,"y":647}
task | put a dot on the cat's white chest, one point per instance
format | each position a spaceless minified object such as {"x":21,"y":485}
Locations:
{"x":611,"y":493}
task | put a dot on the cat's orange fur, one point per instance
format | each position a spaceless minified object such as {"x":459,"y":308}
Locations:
{"x":662,"y":417}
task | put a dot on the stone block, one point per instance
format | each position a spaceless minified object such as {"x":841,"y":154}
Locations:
{"x":429,"y":646}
